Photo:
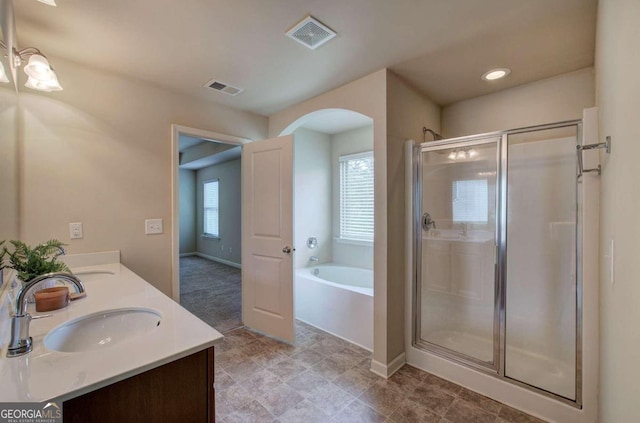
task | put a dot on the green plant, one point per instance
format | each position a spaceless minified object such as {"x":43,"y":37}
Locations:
{"x":30,"y":262}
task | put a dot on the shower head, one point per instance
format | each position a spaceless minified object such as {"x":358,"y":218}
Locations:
{"x":435,"y":135}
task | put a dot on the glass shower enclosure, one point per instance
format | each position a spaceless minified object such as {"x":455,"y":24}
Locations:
{"x":497,"y":229}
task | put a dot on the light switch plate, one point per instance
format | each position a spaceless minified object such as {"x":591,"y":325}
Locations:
{"x":75,"y":230}
{"x":153,"y":226}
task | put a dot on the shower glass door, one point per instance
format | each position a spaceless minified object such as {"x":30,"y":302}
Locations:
{"x":541,"y":277}
{"x":457,"y":285}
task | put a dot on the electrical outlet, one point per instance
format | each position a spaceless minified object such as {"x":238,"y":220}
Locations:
{"x":152,"y":226}
{"x":221,"y":247}
{"x":230,"y":250}
{"x":75,"y":230}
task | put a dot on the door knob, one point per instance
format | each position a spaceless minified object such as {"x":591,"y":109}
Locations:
{"x":286,"y":249}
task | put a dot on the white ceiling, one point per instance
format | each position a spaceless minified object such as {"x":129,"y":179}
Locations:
{"x":335,"y":121}
{"x":187,"y":142}
{"x":439,"y":47}
{"x":224,"y":156}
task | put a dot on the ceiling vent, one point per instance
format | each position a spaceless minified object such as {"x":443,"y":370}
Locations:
{"x":214,"y":84}
{"x":311,"y":33}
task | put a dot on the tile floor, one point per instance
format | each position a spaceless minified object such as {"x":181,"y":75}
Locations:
{"x":325,"y":379}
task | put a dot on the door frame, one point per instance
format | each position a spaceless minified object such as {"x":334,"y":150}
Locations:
{"x":176,"y":131}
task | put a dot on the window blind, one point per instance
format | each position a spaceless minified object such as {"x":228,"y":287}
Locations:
{"x":470,"y":199}
{"x":356,"y":196}
{"x":211,"y":222}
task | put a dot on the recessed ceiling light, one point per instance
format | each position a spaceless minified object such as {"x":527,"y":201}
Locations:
{"x":494,"y":74}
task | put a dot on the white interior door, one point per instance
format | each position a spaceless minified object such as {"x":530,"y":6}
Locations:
{"x":267,"y":236}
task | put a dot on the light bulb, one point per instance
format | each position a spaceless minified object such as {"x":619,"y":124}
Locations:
{"x":472,"y":153}
{"x":53,"y":82}
{"x":494,"y":74}
{"x":461,"y":155}
{"x":35,"y":84}
{"x":38,"y":68}
{"x":46,"y":86}
{"x":452,"y":155}
{"x":48,"y":2}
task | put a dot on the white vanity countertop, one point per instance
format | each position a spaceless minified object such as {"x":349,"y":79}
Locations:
{"x":44,"y":374}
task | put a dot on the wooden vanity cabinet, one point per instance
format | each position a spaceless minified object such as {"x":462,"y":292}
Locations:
{"x":180,"y":391}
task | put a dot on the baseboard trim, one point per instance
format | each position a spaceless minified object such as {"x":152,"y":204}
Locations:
{"x":187,"y":254}
{"x":219,"y":260}
{"x":388,"y":370}
{"x":334,"y":334}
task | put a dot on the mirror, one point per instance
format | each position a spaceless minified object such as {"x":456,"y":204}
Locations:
{"x":9,"y":183}
{"x":8,"y":162}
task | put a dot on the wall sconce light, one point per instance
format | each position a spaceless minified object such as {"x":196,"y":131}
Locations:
{"x":42,"y":76}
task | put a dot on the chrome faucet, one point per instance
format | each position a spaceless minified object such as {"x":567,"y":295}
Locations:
{"x":21,"y":342}
{"x":314,"y":259}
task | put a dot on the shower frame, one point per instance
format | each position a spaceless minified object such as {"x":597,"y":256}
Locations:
{"x":497,"y":368}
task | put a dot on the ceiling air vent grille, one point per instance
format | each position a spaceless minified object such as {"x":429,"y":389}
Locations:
{"x":223,"y":87}
{"x":311,"y":33}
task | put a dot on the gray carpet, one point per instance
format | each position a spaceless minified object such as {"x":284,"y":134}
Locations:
{"x":211,"y":291}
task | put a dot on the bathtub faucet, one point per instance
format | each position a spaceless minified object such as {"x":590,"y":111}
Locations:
{"x":314,"y":259}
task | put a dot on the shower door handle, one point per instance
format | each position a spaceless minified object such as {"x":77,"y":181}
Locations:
{"x":428,"y":222}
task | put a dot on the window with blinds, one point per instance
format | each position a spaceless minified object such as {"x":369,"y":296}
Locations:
{"x":211,"y":199}
{"x":470,"y":200}
{"x":356,"y":196}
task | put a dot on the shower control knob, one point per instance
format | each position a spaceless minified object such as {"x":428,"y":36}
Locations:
{"x":428,"y":222}
{"x":287,"y":250}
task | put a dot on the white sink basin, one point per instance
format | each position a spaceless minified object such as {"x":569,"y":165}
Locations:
{"x":102,"y":330}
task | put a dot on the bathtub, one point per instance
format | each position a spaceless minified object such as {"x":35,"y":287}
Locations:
{"x":337,"y":299}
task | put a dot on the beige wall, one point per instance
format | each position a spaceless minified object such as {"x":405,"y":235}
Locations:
{"x":312,"y":196}
{"x":550,"y":100}
{"x":367,"y":95}
{"x":407,"y":113}
{"x":618,"y":92}
{"x":99,"y":153}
